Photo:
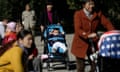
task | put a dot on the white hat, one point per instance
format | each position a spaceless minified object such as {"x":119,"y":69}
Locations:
{"x":12,"y":26}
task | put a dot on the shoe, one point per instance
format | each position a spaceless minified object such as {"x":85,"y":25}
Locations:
{"x":53,"y":50}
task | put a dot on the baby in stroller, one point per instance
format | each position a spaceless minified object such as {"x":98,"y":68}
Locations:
{"x":55,"y":42}
{"x":55,"y":39}
{"x":57,"y":45}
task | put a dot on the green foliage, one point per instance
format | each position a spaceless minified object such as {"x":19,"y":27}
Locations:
{"x":5,"y":9}
{"x":74,"y":4}
{"x":14,"y":8}
{"x":112,"y":9}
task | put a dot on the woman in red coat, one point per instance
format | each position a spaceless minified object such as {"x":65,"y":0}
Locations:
{"x":86,"y":21}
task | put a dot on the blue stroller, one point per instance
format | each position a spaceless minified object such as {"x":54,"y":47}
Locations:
{"x":61,"y":55}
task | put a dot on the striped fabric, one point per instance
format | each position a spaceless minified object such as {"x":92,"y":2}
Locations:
{"x":109,"y":44}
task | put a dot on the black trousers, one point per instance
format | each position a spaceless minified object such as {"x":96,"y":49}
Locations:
{"x":109,"y":64}
{"x":30,"y":65}
{"x":81,"y":65}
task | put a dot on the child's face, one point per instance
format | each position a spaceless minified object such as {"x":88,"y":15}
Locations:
{"x":18,"y":28}
{"x":55,"y":32}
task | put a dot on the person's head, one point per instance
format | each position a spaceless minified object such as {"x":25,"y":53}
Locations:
{"x":49,"y":6}
{"x":55,"y":31}
{"x":25,"y":38}
{"x":5,"y":21}
{"x":27,"y":7}
{"x":11,"y":27}
{"x":89,"y":5}
{"x":19,"y":26}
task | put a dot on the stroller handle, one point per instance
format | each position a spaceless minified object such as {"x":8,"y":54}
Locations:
{"x":99,"y":33}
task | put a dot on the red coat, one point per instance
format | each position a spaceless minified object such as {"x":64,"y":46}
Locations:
{"x":83,"y":27}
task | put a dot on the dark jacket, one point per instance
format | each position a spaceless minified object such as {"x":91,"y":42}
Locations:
{"x":83,"y":27}
{"x":44,"y":18}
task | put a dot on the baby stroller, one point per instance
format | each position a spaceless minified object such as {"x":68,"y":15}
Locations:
{"x":109,"y":51}
{"x":60,"y":54}
{"x":94,"y":53}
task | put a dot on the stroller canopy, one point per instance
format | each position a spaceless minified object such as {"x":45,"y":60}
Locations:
{"x":49,"y":28}
{"x":109,"y":44}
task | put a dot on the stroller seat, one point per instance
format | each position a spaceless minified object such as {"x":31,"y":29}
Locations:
{"x":50,"y":40}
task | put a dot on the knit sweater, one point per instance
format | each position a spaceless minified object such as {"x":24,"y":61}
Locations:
{"x":12,"y":56}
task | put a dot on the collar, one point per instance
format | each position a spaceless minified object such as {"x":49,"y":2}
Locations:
{"x":87,"y":13}
{"x":23,"y":48}
{"x":92,"y":16}
{"x":49,"y":11}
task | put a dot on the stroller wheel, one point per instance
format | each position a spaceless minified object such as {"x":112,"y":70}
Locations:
{"x":67,"y":66}
{"x":41,"y":68}
{"x":67,"y":63}
{"x":49,"y":67}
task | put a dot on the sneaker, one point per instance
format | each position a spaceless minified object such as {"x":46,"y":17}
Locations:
{"x":54,"y":50}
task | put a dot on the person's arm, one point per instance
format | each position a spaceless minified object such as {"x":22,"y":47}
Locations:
{"x":23,"y":16}
{"x":78,"y":26}
{"x":34,"y":15}
{"x":42,"y":18}
{"x":2,"y":32}
{"x":33,"y":12}
{"x":35,"y":52}
{"x":57,"y":18}
{"x":106,"y":23}
{"x":16,"y":59}
{"x":41,"y":21}
{"x":61,"y":30}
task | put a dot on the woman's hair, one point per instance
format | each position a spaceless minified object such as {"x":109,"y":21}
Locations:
{"x":20,"y":35}
{"x":97,"y":5}
{"x":23,"y":33}
{"x":28,"y":4}
{"x":84,"y":1}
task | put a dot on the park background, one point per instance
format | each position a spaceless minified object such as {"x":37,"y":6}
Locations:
{"x":13,"y":9}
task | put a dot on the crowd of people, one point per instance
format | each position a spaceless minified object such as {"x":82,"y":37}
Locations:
{"x":18,"y":48}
